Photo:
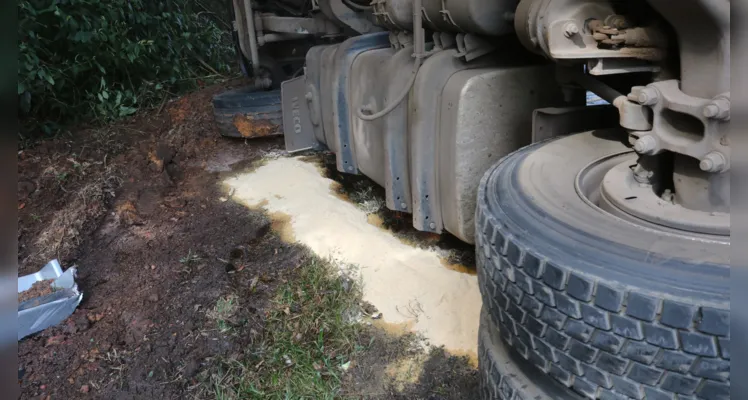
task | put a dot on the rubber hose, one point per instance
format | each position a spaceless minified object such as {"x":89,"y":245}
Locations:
{"x":418,"y":47}
{"x":360,"y":111}
{"x":355,"y":6}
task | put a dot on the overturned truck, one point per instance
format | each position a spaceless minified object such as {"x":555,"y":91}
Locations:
{"x":602,"y":232}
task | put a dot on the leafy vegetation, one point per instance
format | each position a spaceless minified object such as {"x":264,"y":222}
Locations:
{"x":104,"y":59}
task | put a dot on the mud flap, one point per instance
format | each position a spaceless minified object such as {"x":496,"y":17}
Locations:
{"x":297,"y":125}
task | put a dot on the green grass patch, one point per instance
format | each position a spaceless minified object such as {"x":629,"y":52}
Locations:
{"x":223,"y":312}
{"x":308,"y":342}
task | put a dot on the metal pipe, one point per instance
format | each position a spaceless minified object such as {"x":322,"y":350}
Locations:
{"x":309,"y":26}
{"x":253,"y":53}
{"x":279,"y":37}
{"x":418,"y":33}
{"x":240,"y":27}
{"x":605,"y":92}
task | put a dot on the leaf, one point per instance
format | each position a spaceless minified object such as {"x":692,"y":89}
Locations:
{"x":21,"y":87}
{"x":25,"y":102}
{"x":125,"y":111}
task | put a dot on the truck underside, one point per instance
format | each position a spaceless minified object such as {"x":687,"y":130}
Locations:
{"x":438,"y":100}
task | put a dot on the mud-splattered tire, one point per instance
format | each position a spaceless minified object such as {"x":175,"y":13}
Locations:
{"x":607,"y":308}
{"x":247,"y":113}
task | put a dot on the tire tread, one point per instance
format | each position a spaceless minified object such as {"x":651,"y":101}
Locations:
{"x":598,"y":338}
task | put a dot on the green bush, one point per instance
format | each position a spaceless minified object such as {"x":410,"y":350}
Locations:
{"x":103,"y":59}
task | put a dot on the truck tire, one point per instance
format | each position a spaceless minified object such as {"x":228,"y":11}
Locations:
{"x":608,"y":308}
{"x":504,"y":374}
{"x":246,"y":113}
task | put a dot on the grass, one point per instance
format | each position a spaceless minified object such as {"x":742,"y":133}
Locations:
{"x":87,"y":202}
{"x":190,"y":258}
{"x":364,"y":196}
{"x":308,"y":343}
{"x":223,"y":312}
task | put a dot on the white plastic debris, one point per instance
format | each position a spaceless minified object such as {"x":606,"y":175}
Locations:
{"x":35,"y":315}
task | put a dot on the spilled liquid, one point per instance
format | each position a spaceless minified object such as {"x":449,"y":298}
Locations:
{"x":281,"y":224}
{"x":417,"y":288}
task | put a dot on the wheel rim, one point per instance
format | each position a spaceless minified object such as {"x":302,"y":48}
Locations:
{"x":608,"y":184}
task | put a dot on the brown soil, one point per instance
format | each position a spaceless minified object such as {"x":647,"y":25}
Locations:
{"x":398,"y":368}
{"x":38,"y":289}
{"x":136,"y":208}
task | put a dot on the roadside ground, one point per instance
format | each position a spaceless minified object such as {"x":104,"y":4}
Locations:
{"x":188,"y":295}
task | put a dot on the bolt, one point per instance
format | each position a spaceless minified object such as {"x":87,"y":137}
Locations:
{"x":642,"y":175}
{"x":713,"y":162}
{"x":719,"y":109}
{"x":634,"y":95}
{"x":403,"y":206}
{"x":647,"y":96}
{"x":432,"y":225}
{"x":711,"y":111}
{"x":616,"y":21}
{"x":309,"y":96}
{"x":668,"y":195}
{"x":570,"y":29}
{"x":645,"y":144}
{"x":350,"y":168}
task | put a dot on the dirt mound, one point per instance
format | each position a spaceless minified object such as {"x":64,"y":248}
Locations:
{"x":178,"y":279}
{"x":38,"y":289}
{"x":133,"y":206}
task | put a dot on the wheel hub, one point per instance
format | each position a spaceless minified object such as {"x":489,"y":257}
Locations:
{"x":611,"y":185}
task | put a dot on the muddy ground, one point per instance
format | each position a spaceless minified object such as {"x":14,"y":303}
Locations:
{"x":137,"y":207}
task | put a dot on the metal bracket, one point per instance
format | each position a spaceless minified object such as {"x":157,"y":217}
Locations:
{"x":610,"y":66}
{"x":471,"y":46}
{"x":297,"y":124}
{"x":692,"y":126}
{"x":336,"y":10}
{"x":551,"y":122}
{"x":448,"y":16}
{"x":425,"y":16}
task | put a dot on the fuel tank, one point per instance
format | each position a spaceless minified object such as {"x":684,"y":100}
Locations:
{"x":430,"y":151}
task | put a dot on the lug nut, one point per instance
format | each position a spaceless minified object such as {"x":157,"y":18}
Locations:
{"x":570,"y":29}
{"x":645,"y":144}
{"x":668,"y":195}
{"x":718,"y":109}
{"x":647,"y":96}
{"x":634,"y":94}
{"x":713,"y":162}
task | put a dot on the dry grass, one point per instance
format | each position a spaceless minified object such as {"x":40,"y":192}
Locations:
{"x":86,"y":204}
